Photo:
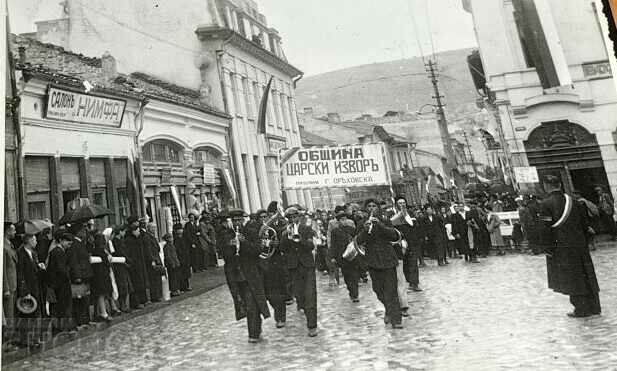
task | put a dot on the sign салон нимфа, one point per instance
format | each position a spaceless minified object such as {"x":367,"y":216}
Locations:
{"x":68,"y":105}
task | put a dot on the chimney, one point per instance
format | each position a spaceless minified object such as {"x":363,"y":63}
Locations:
{"x":22,"y":54}
{"x":334,"y":118}
{"x":108,"y":63}
{"x":308,"y":111}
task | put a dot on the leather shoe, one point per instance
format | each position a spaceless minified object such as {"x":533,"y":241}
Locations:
{"x":312,"y":332}
{"x":280,"y":324}
{"x":397,"y":326}
{"x":386,"y":319}
{"x":576,"y":314}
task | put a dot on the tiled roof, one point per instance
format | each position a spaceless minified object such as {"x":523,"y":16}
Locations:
{"x":56,"y":64}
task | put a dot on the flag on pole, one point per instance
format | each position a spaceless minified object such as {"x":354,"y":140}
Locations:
{"x":263,"y":109}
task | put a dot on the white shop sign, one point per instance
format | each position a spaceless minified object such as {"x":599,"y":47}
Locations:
{"x":67,"y":105}
{"x":527,"y":174}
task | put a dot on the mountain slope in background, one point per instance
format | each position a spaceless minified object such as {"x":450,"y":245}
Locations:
{"x":401,"y":85}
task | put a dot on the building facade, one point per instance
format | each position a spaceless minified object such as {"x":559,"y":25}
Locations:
{"x":164,"y":154}
{"x":223,"y":49}
{"x":549,"y":81}
{"x":247,"y":54}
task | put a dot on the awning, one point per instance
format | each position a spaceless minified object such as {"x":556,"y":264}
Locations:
{"x":229,"y":183}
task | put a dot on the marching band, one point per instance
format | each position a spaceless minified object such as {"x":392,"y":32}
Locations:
{"x":272,"y":258}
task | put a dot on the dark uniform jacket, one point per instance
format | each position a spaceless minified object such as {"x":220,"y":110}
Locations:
{"x":414,"y":235}
{"x":298,"y":253}
{"x":568,"y":263}
{"x":138,"y":258}
{"x":28,"y":275}
{"x":190,"y":234}
{"x":79,"y":261}
{"x":342,"y":235}
{"x":380,"y":253}
{"x":435,"y":232}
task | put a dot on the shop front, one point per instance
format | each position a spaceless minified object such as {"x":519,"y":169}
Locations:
{"x":76,"y":145}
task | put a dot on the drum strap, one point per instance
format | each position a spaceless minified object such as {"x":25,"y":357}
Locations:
{"x":566,"y":212}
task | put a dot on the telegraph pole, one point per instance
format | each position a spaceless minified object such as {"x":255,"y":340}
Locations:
{"x":441,"y":117}
{"x":473,"y":162}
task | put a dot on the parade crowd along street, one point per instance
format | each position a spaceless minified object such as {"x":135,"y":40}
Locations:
{"x":75,"y":274}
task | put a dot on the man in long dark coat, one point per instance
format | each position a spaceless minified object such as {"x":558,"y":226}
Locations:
{"x":382,"y":261}
{"x":460,"y":231}
{"x":138,"y":260}
{"x":275,"y":269}
{"x":435,"y":235}
{"x":568,"y":263}
{"x":60,"y":281}
{"x":244,"y":275}
{"x":81,"y":274}
{"x":183,"y":250}
{"x":341,"y":235}
{"x":191,"y":238}
{"x":156,"y":265}
{"x":297,"y":245}
{"x":28,"y":284}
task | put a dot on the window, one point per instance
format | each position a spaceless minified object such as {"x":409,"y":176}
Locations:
{"x":406,"y":159}
{"x":162,"y":151}
{"x":124,"y":208}
{"x":257,"y":93}
{"x":276,"y":99}
{"x":241,"y":28}
{"x":285,"y":112}
{"x":236,"y":96}
{"x":205,"y":155}
{"x":400,"y":163}
{"x":250,"y":112}
{"x":292,"y":120}
{"x":37,"y":210}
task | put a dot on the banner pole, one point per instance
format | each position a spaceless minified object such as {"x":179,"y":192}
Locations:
{"x":388,"y":169}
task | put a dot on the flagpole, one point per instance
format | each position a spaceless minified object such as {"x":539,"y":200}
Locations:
{"x":388,"y":169}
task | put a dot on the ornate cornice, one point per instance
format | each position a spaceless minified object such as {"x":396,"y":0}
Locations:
{"x":239,"y":41}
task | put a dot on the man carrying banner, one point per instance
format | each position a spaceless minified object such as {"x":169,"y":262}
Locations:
{"x":568,"y":263}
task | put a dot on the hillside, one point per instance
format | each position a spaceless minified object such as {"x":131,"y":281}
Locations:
{"x":400,"y":85}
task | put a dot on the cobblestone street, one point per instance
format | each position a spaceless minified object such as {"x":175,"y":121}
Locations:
{"x":494,"y":315}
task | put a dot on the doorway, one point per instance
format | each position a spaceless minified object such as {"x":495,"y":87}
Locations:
{"x":585,"y":180}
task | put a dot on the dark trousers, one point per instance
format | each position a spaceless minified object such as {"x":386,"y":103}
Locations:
{"x":174,"y":282}
{"x":197,"y":259}
{"x":305,"y":291}
{"x":210,"y":259}
{"x":138,"y":297}
{"x":156,"y":285}
{"x":29,"y":328}
{"x":81,"y":310}
{"x":276,"y":291}
{"x":586,"y":304}
{"x":351,"y":276}
{"x":320,"y":258}
{"x":410,"y":266}
{"x":385,"y":287}
{"x":289,"y":284}
{"x":253,"y":317}
{"x":62,"y":310}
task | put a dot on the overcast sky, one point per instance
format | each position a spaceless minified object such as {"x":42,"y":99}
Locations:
{"x":325,"y":35}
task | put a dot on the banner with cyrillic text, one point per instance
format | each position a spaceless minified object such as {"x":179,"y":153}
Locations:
{"x":328,"y":167}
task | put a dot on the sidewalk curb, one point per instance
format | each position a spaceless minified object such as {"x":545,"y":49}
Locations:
{"x":213,"y":279}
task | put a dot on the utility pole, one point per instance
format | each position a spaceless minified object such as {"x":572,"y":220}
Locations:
{"x":441,"y":117}
{"x":473,"y":162}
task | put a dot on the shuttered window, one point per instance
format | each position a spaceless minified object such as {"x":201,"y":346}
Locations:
{"x":37,"y":174}
{"x":120,"y":170}
{"x":69,"y":168}
{"x":97,"y":173}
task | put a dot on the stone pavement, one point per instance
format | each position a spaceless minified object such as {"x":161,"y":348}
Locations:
{"x":489,"y":316}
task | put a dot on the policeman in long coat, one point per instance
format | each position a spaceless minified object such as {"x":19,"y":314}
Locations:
{"x":568,"y":263}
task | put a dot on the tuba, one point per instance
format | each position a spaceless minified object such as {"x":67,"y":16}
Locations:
{"x":268,"y":236}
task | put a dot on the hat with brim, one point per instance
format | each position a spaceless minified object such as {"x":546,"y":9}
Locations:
{"x":27,"y":304}
{"x":291,"y":211}
{"x":237,"y":213}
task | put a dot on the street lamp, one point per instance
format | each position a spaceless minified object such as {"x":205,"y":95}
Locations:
{"x":419,"y":111}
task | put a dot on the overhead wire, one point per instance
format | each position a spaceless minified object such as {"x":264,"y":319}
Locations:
{"x":415,"y":29}
{"x":430,"y":30}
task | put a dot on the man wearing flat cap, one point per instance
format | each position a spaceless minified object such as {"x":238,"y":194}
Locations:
{"x":243,"y":273}
{"x":297,"y":245}
{"x":569,"y":266}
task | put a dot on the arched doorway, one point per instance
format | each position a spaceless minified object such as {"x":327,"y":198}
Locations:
{"x":569,"y":151}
